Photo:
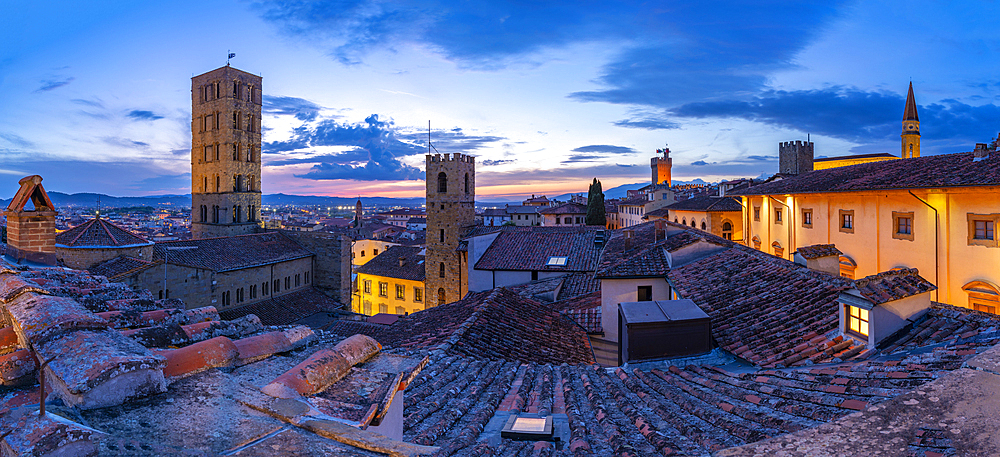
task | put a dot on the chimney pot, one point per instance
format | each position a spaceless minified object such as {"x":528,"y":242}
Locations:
{"x":402,"y":261}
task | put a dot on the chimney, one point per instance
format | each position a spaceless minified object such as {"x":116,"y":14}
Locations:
{"x":402,"y":261}
{"x":31,"y":234}
{"x":660,"y":230}
{"x":628,"y":238}
{"x":981,"y":152}
{"x":819,"y":257}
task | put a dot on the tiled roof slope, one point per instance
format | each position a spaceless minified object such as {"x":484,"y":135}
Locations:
{"x":495,"y":324}
{"x":945,"y":170}
{"x":818,"y":250}
{"x":707,"y":203}
{"x":644,"y":254}
{"x":893,"y":285}
{"x":233,"y":252}
{"x":529,"y":250}
{"x":387,"y":264}
{"x":97,"y":233}
{"x":764,"y":309}
{"x":120,"y":266}
{"x":585,"y":310}
{"x":286,"y":309}
{"x":653,"y":410}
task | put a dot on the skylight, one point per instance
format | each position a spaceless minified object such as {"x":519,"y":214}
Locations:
{"x":556,"y":262}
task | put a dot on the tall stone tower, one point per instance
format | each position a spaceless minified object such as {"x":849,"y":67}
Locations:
{"x":661,"y":167}
{"x":357,"y":213}
{"x":795,"y":158}
{"x":911,"y":128}
{"x":451,"y":207}
{"x":225,"y":153}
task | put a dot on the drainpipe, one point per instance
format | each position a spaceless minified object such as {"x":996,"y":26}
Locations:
{"x":937,"y":257}
{"x":747,"y":233}
{"x":790,"y":248}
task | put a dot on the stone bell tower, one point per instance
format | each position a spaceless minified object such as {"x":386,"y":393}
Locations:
{"x":451,"y":208}
{"x":910,"y":138}
{"x":225,"y":153}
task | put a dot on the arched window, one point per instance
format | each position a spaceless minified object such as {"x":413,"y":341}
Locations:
{"x":675,"y":219}
{"x":778,"y":250}
{"x":684,"y":221}
{"x":466,"y":183}
{"x":441,"y":270}
{"x":847,"y":267}
{"x":727,"y":230}
{"x":704,"y":226}
{"x":693,"y":224}
{"x":441,"y":296}
{"x":983,"y":296}
{"x":236,"y":151}
{"x":442,"y":182}
{"x":756,"y":242}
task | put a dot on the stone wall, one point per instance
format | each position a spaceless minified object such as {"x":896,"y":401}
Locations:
{"x":332,"y":263}
{"x":84,"y":258}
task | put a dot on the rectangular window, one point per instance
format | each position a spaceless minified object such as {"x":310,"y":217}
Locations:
{"x":777,"y":215}
{"x":756,"y":213}
{"x":807,"y":217}
{"x":857,"y":321}
{"x":982,"y":229}
{"x":383,"y":289}
{"x":418,"y":294}
{"x":288,"y":282}
{"x":400,"y":292}
{"x":368,"y":308}
{"x":298,"y":280}
{"x":368,"y":286}
{"x":383,"y":308}
{"x":645,"y":293}
{"x":847,"y":221}
{"x":902,"y":225}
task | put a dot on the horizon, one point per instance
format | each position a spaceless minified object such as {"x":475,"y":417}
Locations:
{"x":547,"y":98}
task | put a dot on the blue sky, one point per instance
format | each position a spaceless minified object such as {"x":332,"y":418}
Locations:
{"x":547,"y":95}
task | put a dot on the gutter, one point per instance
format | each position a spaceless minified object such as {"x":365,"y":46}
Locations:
{"x":937,"y":257}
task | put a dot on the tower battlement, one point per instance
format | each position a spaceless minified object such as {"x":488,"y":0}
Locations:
{"x":454,"y":157}
{"x":795,"y":157}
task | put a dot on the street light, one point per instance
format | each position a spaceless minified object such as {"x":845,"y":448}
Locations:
{"x":166,"y":253}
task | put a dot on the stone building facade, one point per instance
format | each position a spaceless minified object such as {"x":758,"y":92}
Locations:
{"x":225,"y":153}
{"x":795,"y":157}
{"x":451,"y":202}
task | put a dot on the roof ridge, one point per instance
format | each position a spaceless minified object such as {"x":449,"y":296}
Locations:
{"x":106,"y":230}
{"x":82,"y":230}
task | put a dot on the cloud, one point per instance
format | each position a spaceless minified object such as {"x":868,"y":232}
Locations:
{"x":606,"y":149}
{"x":302,"y":109}
{"x":647,"y":124}
{"x":17,"y":141}
{"x":141,"y":115}
{"x":490,"y":163}
{"x":124,"y":142}
{"x":90,"y":103}
{"x":762,"y":157}
{"x":699,"y":163}
{"x":51,"y":84}
{"x":851,"y":114}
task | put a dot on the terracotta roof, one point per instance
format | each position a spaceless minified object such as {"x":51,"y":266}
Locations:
{"x":496,"y":324}
{"x":530,"y":248}
{"x":120,"y":266}
{"x":387,"y":264}
{"x":634,"y":201}
{"x":576,"y":284}
{"x":707,"y":203}
{"x":286,"y":309}
{"x":937,"y":171}
{"x":644,"y":255}
{"x":855,"y":156}
{"x":767,"y":310}
{"x":818,"y":250}
{"x":893,"y":285}
{"x":585,"y":310}
{"x":495,"y":212}
{"x":233,"y":252}
{"x":99,"y":233}
{"x":566,"y":208}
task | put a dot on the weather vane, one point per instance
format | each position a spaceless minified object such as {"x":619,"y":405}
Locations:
{"x":231,"y":55}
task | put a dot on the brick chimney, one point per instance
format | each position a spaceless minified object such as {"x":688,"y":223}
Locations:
{"x":31,"y":235}
{"x":819,"y":257}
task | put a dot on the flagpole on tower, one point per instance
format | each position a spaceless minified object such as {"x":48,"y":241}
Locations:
{"x":231,"y":55}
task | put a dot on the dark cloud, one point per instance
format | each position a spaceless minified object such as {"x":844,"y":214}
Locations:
{"x":606,"y":149}
{"x":178,"y":152}
{"x":584,"y":158}
{"x":762,"y":157}
{"x":647,"y":124}
{"x":346,"y":157}
{"x":852,"y":114}
{"x":490,"y":163}
{"x":142,"y":115}
{"x":50,"y":84}
{"x":302,"y":109}
{"x":699,"y":163}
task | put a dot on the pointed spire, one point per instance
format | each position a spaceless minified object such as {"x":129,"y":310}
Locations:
{"x":910,"y":112}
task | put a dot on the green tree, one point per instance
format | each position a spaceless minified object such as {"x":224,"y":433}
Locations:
{"x":595,"y":205}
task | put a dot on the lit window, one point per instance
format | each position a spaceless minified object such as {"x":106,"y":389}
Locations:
{"x":727,"y":230}
{"x":400,"y":292}
{"x":777,"y":215}
{"x":418,"y":294}
{"x":383,"y":308}
{"x":556,"y":262}
{"x":756,"y":213}
{"x":383,"y":289}
{"x":983,"y":296}
{"x":368,"y":286}
{"x":857,"y":321}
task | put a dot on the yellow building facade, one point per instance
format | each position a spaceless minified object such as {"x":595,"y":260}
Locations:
{"x":947,"y":232}
{"x":843,"y":161}
{"x":392,"y":283}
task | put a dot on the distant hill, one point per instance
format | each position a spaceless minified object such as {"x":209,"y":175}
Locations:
{"x":89,"y":200}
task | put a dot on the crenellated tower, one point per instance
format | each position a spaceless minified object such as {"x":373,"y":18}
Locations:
{"x":661,"y":167}
{"x":225,"y":153}
{"x":910,"y":138}
{"x":451,"y":208}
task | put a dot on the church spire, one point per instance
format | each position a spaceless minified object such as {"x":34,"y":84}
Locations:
{"x":910,"y":138}
{"x":910,"y":112}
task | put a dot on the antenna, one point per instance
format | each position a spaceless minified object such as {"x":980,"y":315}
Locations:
{"x":429,"y":145}
{"x":98,"y":206}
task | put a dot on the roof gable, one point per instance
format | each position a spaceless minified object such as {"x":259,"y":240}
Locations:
{"x":31,"y":190}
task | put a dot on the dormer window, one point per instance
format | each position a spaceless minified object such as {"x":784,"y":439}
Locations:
{"x":857,"y":321}
{"x":556,"y":261}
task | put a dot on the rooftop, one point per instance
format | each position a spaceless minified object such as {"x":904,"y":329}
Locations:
{"x":707,"y":203}
{"x":530,"y":248}
{"x":400,"y":262}
{"x":99,"y":233}
{"x":565,"y":208}
{"x":232,"y":253}
{"x":893,"y":285}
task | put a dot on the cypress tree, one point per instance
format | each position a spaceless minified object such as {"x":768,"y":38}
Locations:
{"x":595,"y":205}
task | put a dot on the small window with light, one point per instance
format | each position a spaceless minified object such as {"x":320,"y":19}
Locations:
{"x":857,"y":321}
{"x":556,"y":261}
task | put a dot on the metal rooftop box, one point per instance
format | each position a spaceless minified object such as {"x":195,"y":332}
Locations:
{"x":662,"y":329}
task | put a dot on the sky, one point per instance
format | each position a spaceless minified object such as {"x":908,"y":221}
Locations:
{"x":95,"y":96}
